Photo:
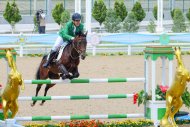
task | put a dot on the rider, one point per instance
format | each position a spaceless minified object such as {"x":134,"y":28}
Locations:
{"x":66,"y":35}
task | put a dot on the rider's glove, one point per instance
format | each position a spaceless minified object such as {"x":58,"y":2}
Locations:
{"x":72,"y":38}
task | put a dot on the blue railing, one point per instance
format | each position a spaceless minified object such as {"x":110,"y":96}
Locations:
{"x":123,"y":38}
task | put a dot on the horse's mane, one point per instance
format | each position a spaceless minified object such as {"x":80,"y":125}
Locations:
{"x":69,"y":43}
{"x":80,"y":33}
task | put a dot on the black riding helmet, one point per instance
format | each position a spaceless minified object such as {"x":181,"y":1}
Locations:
{"x":76,"y":16}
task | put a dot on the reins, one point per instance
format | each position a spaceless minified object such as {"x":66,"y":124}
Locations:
{"x":78,"y":51}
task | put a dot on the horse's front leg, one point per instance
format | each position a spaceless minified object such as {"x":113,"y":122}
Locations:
{"x":64,"y":71}
{"x":75,"y":73}
{"x":37,"y":91}
{"x":48,"y":86}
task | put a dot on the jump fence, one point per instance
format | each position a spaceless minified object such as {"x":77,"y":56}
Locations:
{"x":82,"y":97}
{"x":77,"y":117}
{"x":93,"y":80}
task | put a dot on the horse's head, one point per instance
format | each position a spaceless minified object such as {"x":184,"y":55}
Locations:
{"x":79,"y":43}
{"x":9,"y":57}
{"x":178,"y":56}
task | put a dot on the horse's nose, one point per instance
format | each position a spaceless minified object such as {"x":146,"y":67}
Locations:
{"x":83,"y":55}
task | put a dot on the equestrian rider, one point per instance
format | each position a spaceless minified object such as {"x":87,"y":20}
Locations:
{"x":66,"y":35}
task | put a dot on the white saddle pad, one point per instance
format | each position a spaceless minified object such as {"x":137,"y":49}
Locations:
{"x":60,"y":52}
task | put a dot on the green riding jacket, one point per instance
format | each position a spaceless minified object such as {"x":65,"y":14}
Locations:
{"x":68,"y":31}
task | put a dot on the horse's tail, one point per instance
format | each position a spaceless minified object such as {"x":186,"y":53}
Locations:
{"x":38,"y":71}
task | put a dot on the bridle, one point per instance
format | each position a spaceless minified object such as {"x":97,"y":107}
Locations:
{"x":74,"y":47}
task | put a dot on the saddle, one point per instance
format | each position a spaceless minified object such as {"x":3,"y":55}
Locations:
{"x":57,"y":55}
{"x":59,"y":52}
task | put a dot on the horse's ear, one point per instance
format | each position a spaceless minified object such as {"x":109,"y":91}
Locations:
{"x":175,"y":48}
{"x":78,"y":33}
{"x":86,"y":33}
{"x":179,"y":48}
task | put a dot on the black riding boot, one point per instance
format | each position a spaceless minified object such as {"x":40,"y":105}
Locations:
{"x":46,"y":64}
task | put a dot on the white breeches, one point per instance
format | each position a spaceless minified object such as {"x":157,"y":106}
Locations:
{"x":59,"y":42}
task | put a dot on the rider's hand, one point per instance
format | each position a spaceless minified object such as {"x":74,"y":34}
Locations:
{"x":72,"y":38}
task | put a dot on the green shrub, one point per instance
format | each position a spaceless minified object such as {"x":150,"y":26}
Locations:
{"x":121,"y":53}
{"x":130,"y":23}
{"x":179,"y":21}
{"x":151,"y":26}
{"x":186,"y":98}
{"x":120,"y":9}
{"x":172,"y":13}
{"x":57,"y":12}
{"x":138,"y":11}
{"x":99,"y":11}
{"x":155,"y":10}
{"x":12,"y":14}
{"x":188,"y":14}
{"x":35,"y":55}
{"x":65,"y":17}
{"x":112,"y":23}
{"x":35,"y":24}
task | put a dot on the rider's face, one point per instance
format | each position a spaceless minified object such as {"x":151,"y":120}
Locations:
{"x":76,"y":22}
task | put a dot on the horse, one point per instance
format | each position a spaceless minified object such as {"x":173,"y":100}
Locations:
{"x":174,"y":93}
{"x":66,"y":67}
{"x":12,"y":89}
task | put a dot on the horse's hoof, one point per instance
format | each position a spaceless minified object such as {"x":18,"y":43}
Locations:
{"x":63,"y":77}
{"x":71,"y":77}
{"x":32,"y":105}
{"x":41,"y":104}
{"x":68,"y":76}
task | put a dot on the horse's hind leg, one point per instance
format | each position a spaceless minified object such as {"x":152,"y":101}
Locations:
{"x":37,"y":91}
{"x":46,"y":89}
{"x":42,"y":73}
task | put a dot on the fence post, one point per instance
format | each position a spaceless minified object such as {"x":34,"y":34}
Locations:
{"x":129,"y":50}
{"x":22,"y":40}
{"x":94,"y":50}
{"x":21,"y":50}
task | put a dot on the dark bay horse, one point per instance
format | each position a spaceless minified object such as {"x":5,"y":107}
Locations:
{"x":66,"y":66}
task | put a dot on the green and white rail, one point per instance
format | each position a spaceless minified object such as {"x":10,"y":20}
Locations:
{"x":109,"y":96}
{"x":77,"y":117}
{"x":93,"y":80}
